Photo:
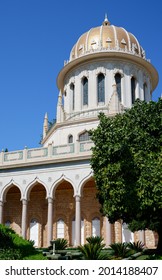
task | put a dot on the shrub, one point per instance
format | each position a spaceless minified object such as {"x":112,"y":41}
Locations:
{"x":37,"y":256}
{"x":25,"y":246}
{"x":10,"y":254}
{"x":6,"y":235}
{"x":10,"y":240}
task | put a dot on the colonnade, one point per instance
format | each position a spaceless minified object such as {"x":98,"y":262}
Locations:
{"x":108,"y":236}
{"x":50,"y":220}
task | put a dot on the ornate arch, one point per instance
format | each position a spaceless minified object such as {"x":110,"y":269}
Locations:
{"x":100,"y":70}
{"x":61,"y":179}
{"x":84,"y":181}
{"x":84,"y":74}
{"x":7,"y":187}
{"x":71,"y":81}
{"x":81,"y":133}
{"x":31,"y":185}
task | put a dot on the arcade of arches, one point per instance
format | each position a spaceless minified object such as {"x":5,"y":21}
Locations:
{"x":42,"y":218}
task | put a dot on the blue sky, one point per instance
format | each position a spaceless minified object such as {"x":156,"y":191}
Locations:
{"x":36,"y":36}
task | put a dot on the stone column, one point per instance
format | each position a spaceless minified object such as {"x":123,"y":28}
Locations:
{"x":128,"y":98}
{"x":137,"y":94}
{"x":24,"y":217}
{"x":108,"y":233}
{"x":50,"y":221}
{"x":142,"y":236}
{"x":77,"y":220}
{"x":1,"y":212}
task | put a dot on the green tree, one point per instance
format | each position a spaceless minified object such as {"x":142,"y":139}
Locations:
{"x":127,"y":164}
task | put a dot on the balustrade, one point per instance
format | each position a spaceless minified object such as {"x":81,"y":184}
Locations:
{"x":44,"y":154}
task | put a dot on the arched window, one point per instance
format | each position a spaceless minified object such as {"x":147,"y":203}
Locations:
{"x":70,"y":139}
{"x":133,"y":89}
{"x":85,"y":91}
{"x":145,"y":91}
{"x":118,"y":85}
{"x":34,"y":231}
{"x":60,"y":228}
{"x":84,"y":136}
{"x":101,"y":88}
{"x":72,"y":88}
{"x":127,"y":235}
{"x":96,"y":227}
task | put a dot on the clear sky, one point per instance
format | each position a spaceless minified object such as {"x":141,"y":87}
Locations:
{"x":36,"y":36}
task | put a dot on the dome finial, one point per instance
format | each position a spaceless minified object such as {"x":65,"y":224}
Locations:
{"x":106,"y":22}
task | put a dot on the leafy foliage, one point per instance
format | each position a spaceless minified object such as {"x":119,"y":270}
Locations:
{"x":127,"y":164}
{"x":6,"y":237}
{"x":10,"y":254}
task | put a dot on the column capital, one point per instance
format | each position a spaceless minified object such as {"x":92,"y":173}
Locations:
{"x":50,"y":199}
{"x":24,"y":201}
{"x":77,"y":197}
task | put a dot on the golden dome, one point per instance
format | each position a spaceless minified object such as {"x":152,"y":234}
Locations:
{"x":107,"y":43}
{"x":107,"y":38}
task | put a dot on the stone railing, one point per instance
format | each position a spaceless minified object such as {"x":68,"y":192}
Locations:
{"x":44,"y":154}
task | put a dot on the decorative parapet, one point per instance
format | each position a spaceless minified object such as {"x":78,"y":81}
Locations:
{"x":44,"y":154}
{"x":37,"y":153}
{"x":13,"y":156}
{"x":64,"y":149}
{"x":86,"y":146}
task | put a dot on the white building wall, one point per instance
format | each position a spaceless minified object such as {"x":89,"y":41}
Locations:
{"x":109,"y":69}
{"x":60,"y":135}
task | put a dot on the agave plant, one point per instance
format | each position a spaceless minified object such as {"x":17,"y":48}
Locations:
{"x":60,"y":243}
{"x":93,"y":249}
{"x":95,"y":240}
{"x":120,"y":250}
{"x":136,"y":246}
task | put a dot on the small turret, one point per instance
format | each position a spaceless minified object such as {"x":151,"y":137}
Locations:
{"x":45,"y":125}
